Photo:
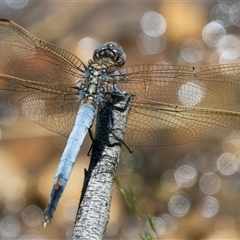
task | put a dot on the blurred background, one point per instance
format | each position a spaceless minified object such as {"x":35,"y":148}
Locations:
{"x":191,"y":190}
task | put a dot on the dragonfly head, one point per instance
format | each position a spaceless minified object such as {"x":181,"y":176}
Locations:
{"x":110,"y":51}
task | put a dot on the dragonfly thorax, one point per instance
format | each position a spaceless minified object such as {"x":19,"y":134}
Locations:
{"x":97,"y":81}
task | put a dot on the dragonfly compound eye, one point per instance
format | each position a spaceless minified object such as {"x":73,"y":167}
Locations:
{"x":110,"y":51}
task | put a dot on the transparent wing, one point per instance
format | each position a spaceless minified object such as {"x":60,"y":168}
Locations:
{"x":152,"y":124}
{"x":149,"y":123}
{"x":52,"y":107}
{"x":33,"y":59}
{"x":208,"y":86}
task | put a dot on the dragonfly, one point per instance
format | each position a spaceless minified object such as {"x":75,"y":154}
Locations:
{"x":171,"y":104}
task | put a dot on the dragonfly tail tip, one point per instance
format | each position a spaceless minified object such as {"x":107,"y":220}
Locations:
{"x":46,"y":220}
{"x":45,"y":223}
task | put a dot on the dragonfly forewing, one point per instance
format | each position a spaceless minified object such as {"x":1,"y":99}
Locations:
{"x":33,"y":59}
{"x":208,"y":86}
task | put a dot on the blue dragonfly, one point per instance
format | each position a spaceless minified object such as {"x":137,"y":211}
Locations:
{"x":171,"y":104}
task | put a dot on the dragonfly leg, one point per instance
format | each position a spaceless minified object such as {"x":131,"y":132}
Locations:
{"x":118,"y":91}
{"x":91,"y":147}
{"x":115,"y":135}
{"x":120,"y":140}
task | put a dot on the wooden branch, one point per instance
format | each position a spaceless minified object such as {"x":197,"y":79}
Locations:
{"x":94,"y":208}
